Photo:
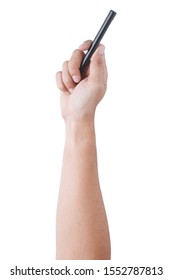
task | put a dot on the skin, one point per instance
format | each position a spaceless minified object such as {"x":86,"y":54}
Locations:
{"x":82,"y":229}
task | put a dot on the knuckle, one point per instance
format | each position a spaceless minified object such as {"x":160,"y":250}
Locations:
{"x":77,"y":56}
{"x":67,"y":80}
{"x":68,"y":83}
{"x":57,"y":74}
{"x":99,"y":60}
{"x":75,"y":61}
{"x":76,"y":52}
{"x":59,"y":81}
{"x":65,"y":63}
{"x":61,"y":88}
{"x":73,"y":69}
{"x":58,"y":77}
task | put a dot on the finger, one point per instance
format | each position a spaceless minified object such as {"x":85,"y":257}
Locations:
{"x":67,"y":78}
{"x":74,"y":65}
{"x":98,"y":69}
{"x":85,"y":45}
{"x":60,"y":83}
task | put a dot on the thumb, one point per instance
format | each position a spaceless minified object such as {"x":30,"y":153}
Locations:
{"x":98,"y":69}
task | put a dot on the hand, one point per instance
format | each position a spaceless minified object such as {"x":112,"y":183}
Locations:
{"x":80,"y":95}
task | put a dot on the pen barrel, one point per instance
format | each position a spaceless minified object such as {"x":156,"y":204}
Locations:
{"x":96,"y":41}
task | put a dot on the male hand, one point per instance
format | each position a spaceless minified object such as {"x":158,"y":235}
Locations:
{"x":80,"y":95}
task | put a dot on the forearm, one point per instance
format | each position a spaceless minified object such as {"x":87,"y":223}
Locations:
{"x":80,"y":157}
{"x":82,"y":231}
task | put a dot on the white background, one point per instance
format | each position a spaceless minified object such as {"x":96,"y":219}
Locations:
{"x":134,"y":125}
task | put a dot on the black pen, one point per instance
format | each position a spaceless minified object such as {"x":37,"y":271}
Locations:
{"x":86,"y":60}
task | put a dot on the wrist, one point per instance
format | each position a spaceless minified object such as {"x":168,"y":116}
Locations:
{"x":79,"y":120}
{"x":80,"y":130}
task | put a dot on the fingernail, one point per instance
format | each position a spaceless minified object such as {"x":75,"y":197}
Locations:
{"x":76,"y":79}
{"x":101,"y":50}
{"x":71,"y":90}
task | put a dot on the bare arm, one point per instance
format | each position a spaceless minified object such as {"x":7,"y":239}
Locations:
{"x":82,"y":229}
